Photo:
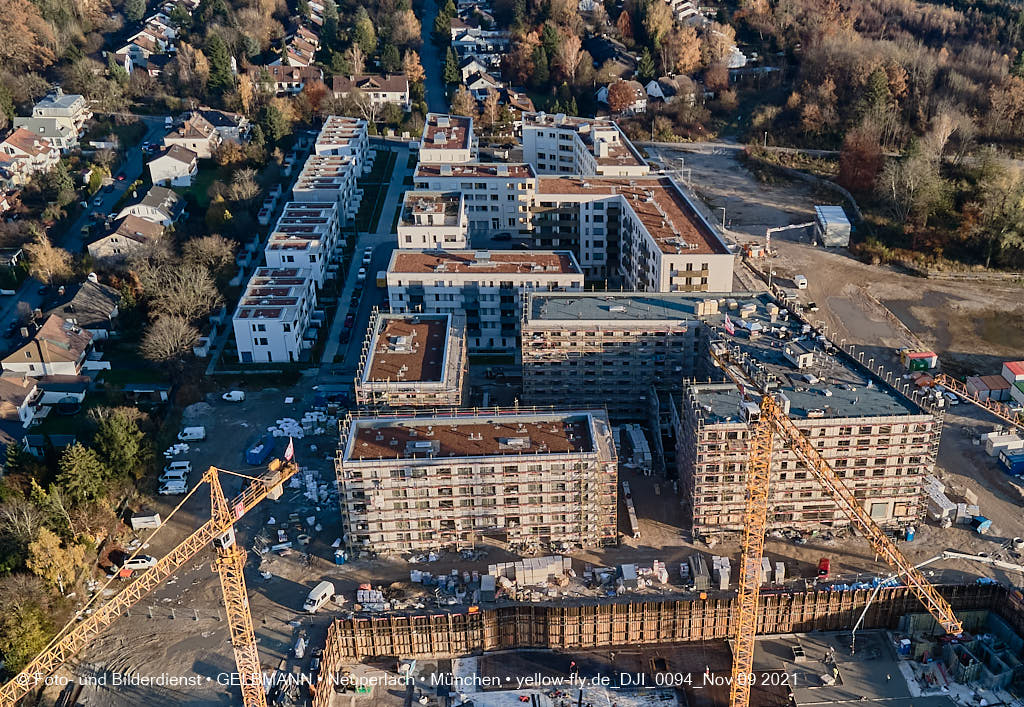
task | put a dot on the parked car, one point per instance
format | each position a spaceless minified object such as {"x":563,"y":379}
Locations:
{"x":314,"y":661}
{"x":173,"y":488}
{"x":121,"y":177}
{"x":361,"y":275}
{"x":234,"y":396}
{"x":98,"y":201}
{"x":43,"y":290}
{"x":139,"y":562}
{"x":349,"y":321}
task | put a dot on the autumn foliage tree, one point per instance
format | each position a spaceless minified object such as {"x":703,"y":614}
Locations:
{"x":26,"y":39}
{"x":860,"y":158}
{"x":620,"y":96}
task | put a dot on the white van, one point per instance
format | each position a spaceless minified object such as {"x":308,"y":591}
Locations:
{"x":173,"y":488}
{"x":192,"y":434}
{"x":800,"y":281}
{"x":320,"y":595}
{"x":174,"y":474}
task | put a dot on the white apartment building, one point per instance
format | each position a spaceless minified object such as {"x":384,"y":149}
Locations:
{"x":412,"y":360}
{"x":306,"y":236}
{"x":342,"y":135}
{"x":69,"y":108}
{"x":448,"y":139}
{"x":432,"y":219}
{"x":488,"y":287}
{"x":498,"y":196}
{"x":642,"y":233}
{"x":568,"y":145}
{"x":330,"y":179}
{"x":411,"y":482}
{"x":272,"y":316}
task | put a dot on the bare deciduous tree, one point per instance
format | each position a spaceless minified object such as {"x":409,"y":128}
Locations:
{"x":20,"y":520}
{"x":568,"y":54}
{"x":186,"y":291}
{"x":243,"y":185}
{"x":46,"y":262}
{"x":356,"y":59}
{"x":168,"y":339}
{"x":463,"y":103}
{"x":215,"y":252}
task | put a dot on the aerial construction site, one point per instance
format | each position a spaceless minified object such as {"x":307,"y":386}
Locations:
{"x":522,"y":485}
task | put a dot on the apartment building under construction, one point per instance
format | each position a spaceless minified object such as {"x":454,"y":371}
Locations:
{"x":412,"y":360}
{"x":646,"y":355}
{"x":416,"y":482}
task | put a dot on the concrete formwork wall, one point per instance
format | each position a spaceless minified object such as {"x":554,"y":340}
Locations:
{"x":617,"y":623}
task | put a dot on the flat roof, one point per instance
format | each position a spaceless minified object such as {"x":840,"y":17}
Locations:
{"x":486,"y":434}
{"x":512,"y":170}
{"x":273,"y":293}
{"x":834,"y":384}
{"x":446,"y":132}
{"x":435,"y":208}
{"x":408,"y":348}
{"x":666,"y":213}
{"x":340,"y":130}
{"x":525,"y":262}
{"x":621,"y":151}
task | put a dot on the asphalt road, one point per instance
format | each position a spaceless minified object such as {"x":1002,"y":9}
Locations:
{"x":433,"y":61}
{"x":72,"y":239}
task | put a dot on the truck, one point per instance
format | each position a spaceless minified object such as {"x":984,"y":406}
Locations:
{"x":261,"y":451}
{"x":382,"y":278}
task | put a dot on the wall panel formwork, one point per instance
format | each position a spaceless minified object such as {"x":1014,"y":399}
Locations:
{"x":638,"y":621}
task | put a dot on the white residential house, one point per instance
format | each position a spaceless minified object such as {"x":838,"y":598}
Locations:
{"x":284,"y":80}
{"x":568,"y":145}
{"x":59,"y":133}
{"x":58,"y":348}
{"x":174,"y":166}
{"x":197,"y":134}
{"x":472,"y":66}
{"x":273,"y":315}
{"x":306,"y":236}
{"x":23,"y":154}
{"x":379,"y":90}
{"x":160,"y":205}
{"x":70,"y":108}
{"x":19,"y":400}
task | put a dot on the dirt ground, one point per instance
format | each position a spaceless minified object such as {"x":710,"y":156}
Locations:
{"x":179,"y":629}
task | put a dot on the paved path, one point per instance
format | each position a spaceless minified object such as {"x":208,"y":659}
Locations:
{"x":432,"y":58}
{"x":383,"y":240}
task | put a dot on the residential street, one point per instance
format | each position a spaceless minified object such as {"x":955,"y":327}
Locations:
{"x":72,"y":240}
{"x":433,"y":61}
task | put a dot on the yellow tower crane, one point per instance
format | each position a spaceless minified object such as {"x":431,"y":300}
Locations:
{"x":771,"y":421}
{"x":218,"y":531}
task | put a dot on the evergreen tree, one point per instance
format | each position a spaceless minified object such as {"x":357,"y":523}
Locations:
{"x":81,"y":473}
{"x":549,"y":38}
{"x":572,"y":108}
{"x":221,"y":79}
{"x":645,"y":67}
{"x":519,"y":14}
{"x":273,"y":124}
{"x":449,"y":9}
{"x":115,"y":69}
{"x":390,"y":59}
{"x":365,"y":35}
{"x":134,"y":10}
{"x":302,"y":8}
{"x":330,"y":32}
{"x":541,"y":72}
{"x":121,"y":443}
{"x":451,"y":67}
{"x":442,"y":26}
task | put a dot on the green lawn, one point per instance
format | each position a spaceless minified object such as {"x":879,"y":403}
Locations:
{"x":200,"y":185}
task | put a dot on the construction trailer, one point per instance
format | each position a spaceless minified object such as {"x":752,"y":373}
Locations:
{"x":831,"y":226}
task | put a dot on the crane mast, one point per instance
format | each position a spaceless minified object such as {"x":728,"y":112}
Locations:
{"x":772,"y":420}
{"x":219,"y":531}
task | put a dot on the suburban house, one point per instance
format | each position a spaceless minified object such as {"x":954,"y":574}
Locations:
{"x":196,"y":134}
{"x":284,"y":80}
{"x":160,"y":205}
{"x":23,"y":154}
{"x":174,"y":166}
{"x":380,"y":90}
{"x":230,"y":126}
{"x":90,"y":306}
{"x":70,"y":108}
{"x":132,"y":235}
{"x":637,"y":105}
{"x":480,"y":84}
{"x":54,"y":130}
{"x":19,"y":403}
{"x":58,"y":348}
